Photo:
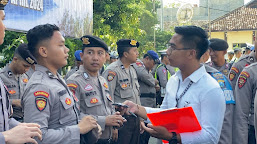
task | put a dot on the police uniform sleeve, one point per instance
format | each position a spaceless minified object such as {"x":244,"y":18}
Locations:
{"x":111,"y":78}
{"x":234,"y":73}
{"x":37,"y":110}
{"x":243,"y":98}
{"x":162,"y":74}
{"x":2,"y":139}
{"x":143,"y":74}
{"x":13,"y":123}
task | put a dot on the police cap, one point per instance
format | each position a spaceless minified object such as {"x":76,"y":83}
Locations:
{"x":114,"y":55}
{"x":93,"y":41}
{"x":127,"y":43}
{"x":77,"y":55}
{"x":230,"y":52}
{"x":3,"y":3}
{"x":153,"y":55}
{"x":23,"y":51}
{"x":218,"y":44}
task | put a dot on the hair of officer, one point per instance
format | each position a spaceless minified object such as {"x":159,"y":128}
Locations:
{"x":194,"y":37}
{"x":162,"y":56}
{"x":17,"y":54}
{"x":122,"y":50}
{"x":39,"y":34}
{"x":147,"y":55}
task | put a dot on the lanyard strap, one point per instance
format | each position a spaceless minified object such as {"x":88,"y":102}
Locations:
{"x":184,"y":92}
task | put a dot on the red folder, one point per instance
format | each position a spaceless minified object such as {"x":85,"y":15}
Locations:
{"x":177,"y":120}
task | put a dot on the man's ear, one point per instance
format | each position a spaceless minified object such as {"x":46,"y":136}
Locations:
{"x":15,"y":59}
{"x":43,"y":51}
{"x":81,"y":55}
{"x":125,"y":54}
{"x":192,"y":53}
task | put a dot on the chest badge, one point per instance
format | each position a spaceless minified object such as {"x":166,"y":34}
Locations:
{"x":124,"y":85}
{"x":94,"y":100}
{"x":12,"y":91}
{"x":68,"y":101}
{"x":25,"y":80}
{"x":105,"y":85}
{"x":88,"y":87}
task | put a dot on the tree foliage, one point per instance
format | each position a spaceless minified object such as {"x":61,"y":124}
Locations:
{"x":113,"y":20}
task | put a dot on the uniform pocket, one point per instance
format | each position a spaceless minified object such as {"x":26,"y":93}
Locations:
{"x":67,"y":111}
{"x":126,"y":91}
{"x":92,"y":101}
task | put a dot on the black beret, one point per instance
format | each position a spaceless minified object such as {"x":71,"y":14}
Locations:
{"x":25,"y":54}
{"x":3,"y":3}
{"x":93,"y":41}
{"x":127,"y":43}
{"x":218,"y":44}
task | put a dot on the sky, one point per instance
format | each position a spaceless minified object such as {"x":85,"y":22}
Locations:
{"x":165,"y":2}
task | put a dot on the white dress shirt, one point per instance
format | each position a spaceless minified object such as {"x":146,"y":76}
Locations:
{"x":205,"y":97}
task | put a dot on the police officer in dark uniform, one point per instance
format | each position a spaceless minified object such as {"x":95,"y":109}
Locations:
{"x":14,"y":77}
{"x":244,"y":61}
{"x":92,"y":90}
{"x":78,"y":62}
{"x":47,"y":100}
{"x":218,"y":49}
{"x":123,"y":82}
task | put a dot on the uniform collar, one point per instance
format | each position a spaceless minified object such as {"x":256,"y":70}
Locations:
{"x":45,"y":70}
{"x":85,"y":73}
{"x":195,"y":76}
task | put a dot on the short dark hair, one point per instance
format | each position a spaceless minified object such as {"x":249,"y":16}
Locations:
{"x":193,"y":36}
{"x":38,"y":34}
{"x":147,"y":55}
{"x":122,"y":50}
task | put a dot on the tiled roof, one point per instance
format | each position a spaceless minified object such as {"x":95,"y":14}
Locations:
{"x":243,"y":18}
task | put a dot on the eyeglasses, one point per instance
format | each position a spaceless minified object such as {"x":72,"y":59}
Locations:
{"x":173,"y":47}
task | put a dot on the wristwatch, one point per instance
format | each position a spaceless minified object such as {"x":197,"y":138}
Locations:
{"x":174,"y":139}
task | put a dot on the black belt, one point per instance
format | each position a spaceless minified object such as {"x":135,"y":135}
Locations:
{"x":148,"y":95}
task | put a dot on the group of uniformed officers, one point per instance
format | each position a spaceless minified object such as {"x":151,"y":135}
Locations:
{"x":38,"y":106}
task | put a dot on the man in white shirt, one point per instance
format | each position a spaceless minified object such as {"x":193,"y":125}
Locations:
{"x":189,"y":87}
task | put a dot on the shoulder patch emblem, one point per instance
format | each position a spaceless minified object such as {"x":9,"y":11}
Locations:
{"x":94,"y":100}
{"x":88,"y":87}
{"x":105,"y":85}
{"x":139,"y":64}
{"x":235,"y":69}
{"x":243,"y":78}
{"x":232,"y":76}
{"x":164,"y":71}
{"x":68,"y":101}
{"x":111,"y":76}
{"x":12,"y":91}
{"x":72,"y":85}
{"x":246,"y":65}
{"x":25,"y":80}
{"x":41,"y":103}
{"x":41,"y":93}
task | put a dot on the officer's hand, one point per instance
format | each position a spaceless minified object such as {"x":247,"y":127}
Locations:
{"x":99,"y":131}
{"x":115,"y":120}
{"x":158,"y":131}
{"x":16,"y":102}
{"x":23,"y":133}
{"x":141,"y":127}
{"x":132,"y":107}
{"x":157,"y":87}
{"x":114,"y":135}
{"x":87,"y":124}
